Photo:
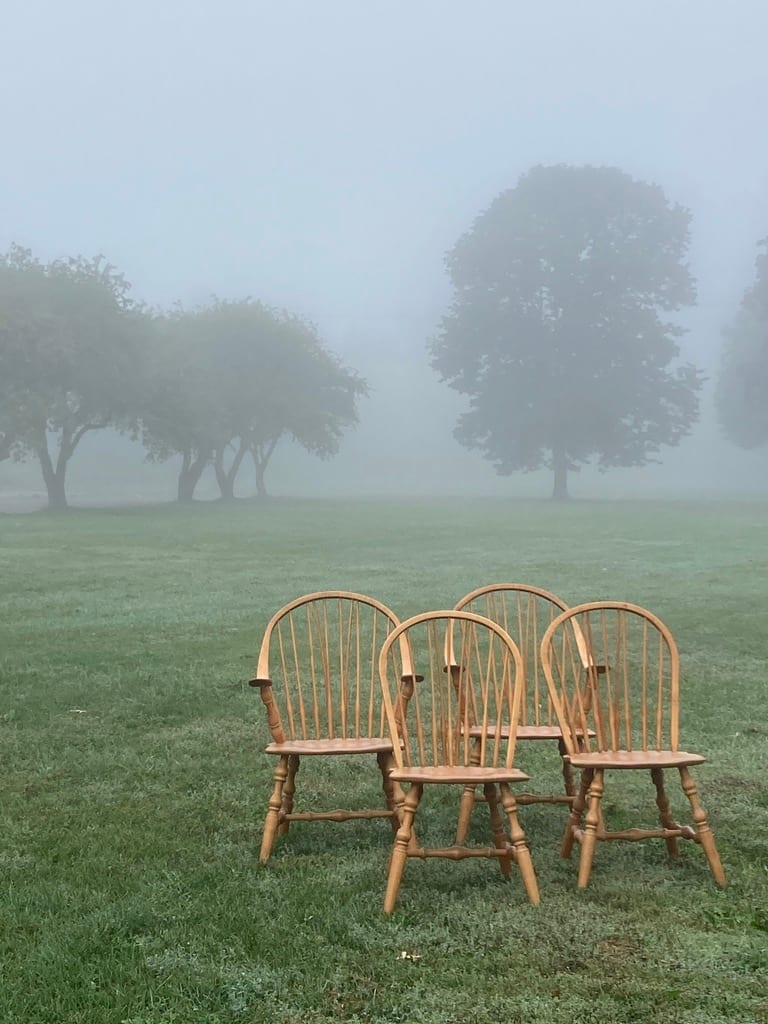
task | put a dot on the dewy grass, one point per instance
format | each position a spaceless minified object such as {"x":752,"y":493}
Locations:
{"x":134,"y":784}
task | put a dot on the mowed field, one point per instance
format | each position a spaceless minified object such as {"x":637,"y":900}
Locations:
{"x":133,"y":784}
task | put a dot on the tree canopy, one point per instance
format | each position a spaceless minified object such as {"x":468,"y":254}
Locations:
{"x":231,"y":379}
{"x":742,"y":386}
{"x":68,"y":357}
{"x":556,"y":333}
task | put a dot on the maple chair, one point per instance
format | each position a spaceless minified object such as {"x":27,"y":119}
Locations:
{"x":525,"y":612}
{"x":317,"y":678}
{"x":632,"y":701}
{"x":457,"y":668}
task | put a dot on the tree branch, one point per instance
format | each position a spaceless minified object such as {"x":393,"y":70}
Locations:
{"x":78,"y":435}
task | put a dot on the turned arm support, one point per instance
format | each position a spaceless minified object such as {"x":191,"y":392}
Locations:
{"x":267,"y":693}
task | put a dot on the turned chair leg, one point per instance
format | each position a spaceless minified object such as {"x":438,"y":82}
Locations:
{"x":273,"y":811}
{"x":465,"y":814}
{"x":402,"y":843}
{"x":665,"y":815}
{"x":591,"y":823}
{"x":575,"y":816}
{"x":497,"y":828}
{"x":520,"y":850}
{"x":703,"y":830}
{"x":288,"y":793}
{"x":467,"y":800}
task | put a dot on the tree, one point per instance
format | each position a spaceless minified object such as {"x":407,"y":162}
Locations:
{"x":311,"y":397}
{"x":180,"y":411}
{"x":68,"y":357}
{"x":233,"y":378}
{"x":743,"y":381}
{"x":555,"y":333}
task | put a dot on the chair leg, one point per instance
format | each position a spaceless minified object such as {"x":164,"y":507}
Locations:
{"x":497,"y":828}
{"x":288,"y":792}
{"x":703,"y":830}
{"x":401,"y":846}
{"x":465,"y":814}
{"x":665,"y":815}
{"x":273,"y":811}
{"x":574,"y":818}
{"x":386,"y":763}
{"x":591,"y":822}
{"x":520,"y":850}
{"x":467,"y":801}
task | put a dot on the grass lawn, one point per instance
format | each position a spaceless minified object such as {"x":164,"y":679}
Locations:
{"x":134,"y":785}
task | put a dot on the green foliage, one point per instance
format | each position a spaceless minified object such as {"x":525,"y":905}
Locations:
{"x":68,"y":357}
{"x":134,"y":782}
{"x":555,"y":333}
{"x":743,"y":381}
{"x":238,"y":376}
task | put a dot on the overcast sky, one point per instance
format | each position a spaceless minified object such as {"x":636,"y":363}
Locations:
{"x":324,"y":154}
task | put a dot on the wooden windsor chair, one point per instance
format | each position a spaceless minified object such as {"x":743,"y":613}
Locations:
{"x":430,"y":705}
{"x":317,"y":678}
{"x":632,"y":700}
{"x":524,"y":612}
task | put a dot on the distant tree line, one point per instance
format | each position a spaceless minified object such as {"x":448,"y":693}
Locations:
{"x":213,"y":385}
{"x":562,"y":336}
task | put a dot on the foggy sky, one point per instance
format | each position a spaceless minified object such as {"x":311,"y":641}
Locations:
{"x":323,"y":155}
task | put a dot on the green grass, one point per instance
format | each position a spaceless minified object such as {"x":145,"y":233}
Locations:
{"x":134,"y":784}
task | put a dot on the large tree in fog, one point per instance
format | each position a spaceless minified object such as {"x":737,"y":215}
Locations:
{"x":742,"y":388}
{"x":557,"y":332}
{"x":231,"y":379}
{"x":69,"y":358}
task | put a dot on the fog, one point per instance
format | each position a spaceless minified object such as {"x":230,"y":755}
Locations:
{"x":323,"y":157}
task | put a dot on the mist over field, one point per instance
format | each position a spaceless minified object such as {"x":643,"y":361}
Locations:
{"x":323,"y":158}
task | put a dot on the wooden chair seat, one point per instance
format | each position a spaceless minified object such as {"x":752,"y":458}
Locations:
{"x":635,"y":759}
{"x":361,"y":745}
{"x":463,"y":774}
{"x":523,"y":732}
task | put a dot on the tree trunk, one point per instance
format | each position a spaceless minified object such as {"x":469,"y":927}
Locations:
{"x":261,"y":454}
{"x":261,"y":487}
{"x":54,"y":477}
{"x":560,"y":466}
{"x":189,"y":476}
{"x":225,"y":478}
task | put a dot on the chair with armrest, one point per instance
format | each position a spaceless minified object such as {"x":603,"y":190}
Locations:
{"x":524,"y":611}
{"x":317,"y":678}
{"x":632,"y":701}
{"x":456,"y":669}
